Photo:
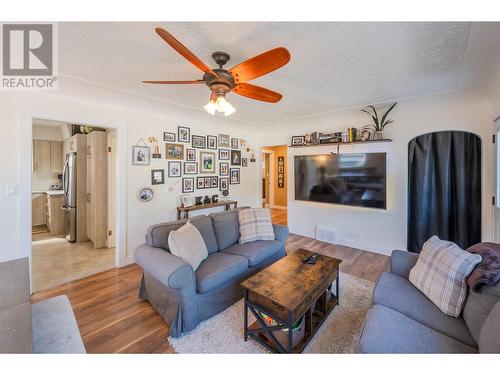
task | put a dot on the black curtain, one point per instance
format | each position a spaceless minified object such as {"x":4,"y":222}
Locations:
{"x":444,"y":182}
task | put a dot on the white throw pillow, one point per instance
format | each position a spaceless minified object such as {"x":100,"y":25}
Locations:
{"x":441,"y":272}
{"x":188,"y":244}
{"x":255,"y":224}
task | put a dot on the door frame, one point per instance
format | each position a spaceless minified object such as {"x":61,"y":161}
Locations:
{"x":496,"y":181}
{"x":271,"y":175}
{"x":26,"y":117}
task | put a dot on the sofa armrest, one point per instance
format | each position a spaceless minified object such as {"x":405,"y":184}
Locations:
{"x":402,"y":262}
{"x":280,"y":232}
{"x":170,"y":270}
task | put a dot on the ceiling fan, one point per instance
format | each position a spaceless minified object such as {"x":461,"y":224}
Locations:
{"x":221,"y":81}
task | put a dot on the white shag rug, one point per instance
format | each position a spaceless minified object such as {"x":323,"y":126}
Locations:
{"x":223,"y":333}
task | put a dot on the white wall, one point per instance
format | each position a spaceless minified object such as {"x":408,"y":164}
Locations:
{"x":384,"y":230}
{"x":134,"y":116}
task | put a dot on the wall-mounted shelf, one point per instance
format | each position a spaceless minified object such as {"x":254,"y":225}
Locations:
{"x":342,"y":143}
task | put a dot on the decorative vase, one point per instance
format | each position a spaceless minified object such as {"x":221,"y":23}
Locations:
{"x":377,"y":136}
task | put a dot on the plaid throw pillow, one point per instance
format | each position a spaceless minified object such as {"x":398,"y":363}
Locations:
{"x":255,"y":224}
{"x":441,"y":272}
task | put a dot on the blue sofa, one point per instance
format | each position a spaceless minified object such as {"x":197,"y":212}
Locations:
{"x":184,"y":297}
{"x":403,"y":320}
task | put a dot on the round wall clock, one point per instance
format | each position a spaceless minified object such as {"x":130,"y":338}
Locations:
{"x":225,"y":193}
{"x":145,"y":194}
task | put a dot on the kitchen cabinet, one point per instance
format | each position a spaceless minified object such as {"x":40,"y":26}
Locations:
{"x":56,"y":157}
{"x":55,"y":215}
{"x":38,"y":209}
{"x":41,"y":156}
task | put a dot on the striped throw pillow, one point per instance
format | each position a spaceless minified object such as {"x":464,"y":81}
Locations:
{"x":441,"y":272}
{"x":255,"y":224}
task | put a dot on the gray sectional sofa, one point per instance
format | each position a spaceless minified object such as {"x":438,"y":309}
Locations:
{"x":184,"y":297}
{"x":403,"y":320}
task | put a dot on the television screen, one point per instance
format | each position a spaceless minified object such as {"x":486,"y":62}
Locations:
{"x":349,"y":179}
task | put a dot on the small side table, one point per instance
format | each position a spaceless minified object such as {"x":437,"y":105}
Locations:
{"x":183,"y":212}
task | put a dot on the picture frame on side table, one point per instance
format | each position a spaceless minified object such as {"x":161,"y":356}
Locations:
{"x":199,"y":141}
{"x":169,"y":137}
{"x":223,"y":169}
{"x":187,"y":200}
{"x":157,"y":176}
{"x":212,"y":142}
{"x":174,"y":151}
{"x":183,"y":134}
{"x":188,"y":185}
{"x":190,"y":168}
{"x":235,"y":157}
{"x":207,"y":162}
{"x":140,"y":155}
{"x":174,"y":169}
{"x":224,"y":140}
{"x":234,"y":176}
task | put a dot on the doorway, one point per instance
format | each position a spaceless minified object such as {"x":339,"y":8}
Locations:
{"x":73,"y":200}
{"x":274,"y":182}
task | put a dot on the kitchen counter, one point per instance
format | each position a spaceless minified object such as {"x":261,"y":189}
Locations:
{"x":48,"y":192}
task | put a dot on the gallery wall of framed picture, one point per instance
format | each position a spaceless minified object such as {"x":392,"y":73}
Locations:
{"x":196,"y":161}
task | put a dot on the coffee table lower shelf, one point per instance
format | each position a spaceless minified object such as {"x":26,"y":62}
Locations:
{"x":313,"y":321}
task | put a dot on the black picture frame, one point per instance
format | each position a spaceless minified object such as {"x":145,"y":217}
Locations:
{"x":192,"y":164}
{"x":215,"y":181}
{"x":212,"y":139}
{"x":198,"y":141}
{"x":236,"y":157}
{"x":200,"y":182}
{"x":170,"y":164}
{"x":226,"y":168}
{"x":187,"y":190}
{"x":224,"y":140}
{"x":234,"y":172}
{"x":169,"y":137}
{"x":154,"y":180}
{"x":223,"y":151}
{"x":190,"y":154}
{"x":185,"y":138}
{"x":223,"y":183}
{"x":298,"y":140}
{"x":208,"y":182}
{"x":234,"y":143}
{"x":244,"y":162}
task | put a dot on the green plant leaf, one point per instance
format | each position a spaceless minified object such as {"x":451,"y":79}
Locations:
{"x":383,"y":122}
{"x":374,"y":117}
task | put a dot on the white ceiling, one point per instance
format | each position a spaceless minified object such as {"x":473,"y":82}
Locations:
{"x":334,"y":66}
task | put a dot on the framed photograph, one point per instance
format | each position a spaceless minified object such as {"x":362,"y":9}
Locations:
{"x":174,"y":169}
{"x":223,"y":140}
{"x":234,"y":176}
{"x":140,"y":155}
{"x":187,"y":200}
{"x":199,"y":141}
{"x":234,"y":143}
{"x":190,"y":154}
{"x":168,"y":137}
{"x":281,"y":182}
{"x":235,"y":157}
{"x":183,"y":134}
{"x":145,"y":194}
{"x":200,"y":182}
{"x":157,"y":176}
{"x":377,"y":136}
{"x":188,"y":185}
{"x":215,"y":181}
{"x":175,"y":151}
{"x":223,"y":183}
{"x":190,"y":168}
{"x":207,"y":162}
{"x":280,"y":169}
{"x":212,"y":142}
{"x":223,"y":154}
{"x":224,"y":169}
{"x":298,"y":140}
{"x":244,"y":162}
{"x":208,"y":182}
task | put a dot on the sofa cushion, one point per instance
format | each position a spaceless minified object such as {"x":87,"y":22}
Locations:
{"x":388,"y":331}
{"x":204,"y":224}
{"x":441,"y":272}
{"x":399,"y":294}
{"x":478,"y":306}
{"x":255,"y":225}
{"x":157,"y":235}
{"x":226,"y":227}
{"x":489,"y":340}
{"x":256,"y":252}
{"x":218,"y":269}
{"x":188,"y":244}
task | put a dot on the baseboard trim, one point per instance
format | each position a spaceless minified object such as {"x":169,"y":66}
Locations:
{"x":366,"y":246}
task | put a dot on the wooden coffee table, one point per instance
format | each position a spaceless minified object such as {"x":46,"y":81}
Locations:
{"x":286,"y":291}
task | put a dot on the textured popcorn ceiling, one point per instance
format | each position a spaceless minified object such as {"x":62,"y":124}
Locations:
{"x":333,"y":66}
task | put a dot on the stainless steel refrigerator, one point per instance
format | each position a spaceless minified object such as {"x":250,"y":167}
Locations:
{"x":69,"y":186}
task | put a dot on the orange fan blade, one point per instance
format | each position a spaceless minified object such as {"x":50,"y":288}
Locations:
{"x":175,"y":82}
{"x":257,"y":93}
{"x":187,"y":54}
{"x":259,"y":65}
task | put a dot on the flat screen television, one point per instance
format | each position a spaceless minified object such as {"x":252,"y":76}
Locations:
{"x":348,"y":179}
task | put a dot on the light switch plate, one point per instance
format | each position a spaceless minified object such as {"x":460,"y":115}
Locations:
{"x":12,"y":190}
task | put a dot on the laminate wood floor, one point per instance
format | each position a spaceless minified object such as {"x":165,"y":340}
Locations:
{"x":113,"y":320}
{"x":279,"y":216}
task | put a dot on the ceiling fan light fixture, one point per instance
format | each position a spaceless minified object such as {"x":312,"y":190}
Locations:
{"x":211,"y":107}
{"x":219,"y":105}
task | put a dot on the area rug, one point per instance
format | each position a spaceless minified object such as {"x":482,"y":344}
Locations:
{"x":223,"y":333}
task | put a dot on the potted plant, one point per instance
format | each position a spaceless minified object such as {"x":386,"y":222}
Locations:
{"x":378,"y":123}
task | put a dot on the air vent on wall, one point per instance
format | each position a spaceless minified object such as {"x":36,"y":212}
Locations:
{"x":325,"y":234}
